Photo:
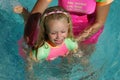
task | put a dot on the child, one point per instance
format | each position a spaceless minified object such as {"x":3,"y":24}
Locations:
{"x":55,"y":38}
{"x":55,"y":35}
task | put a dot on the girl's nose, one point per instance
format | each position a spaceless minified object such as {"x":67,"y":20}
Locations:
{"x":58,"y":35}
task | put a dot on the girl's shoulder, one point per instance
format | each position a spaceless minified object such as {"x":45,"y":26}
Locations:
{"x":42,"y":52}
{"x":71,"y":43}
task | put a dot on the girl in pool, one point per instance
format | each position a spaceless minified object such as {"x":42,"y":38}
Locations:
{"x":55,"y":35}
{"x":55,"y":38}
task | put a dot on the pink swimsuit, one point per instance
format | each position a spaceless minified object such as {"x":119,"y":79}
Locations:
{"x":47,"y":52}
{"x":57,"y":51}
{"x":82,"y":14}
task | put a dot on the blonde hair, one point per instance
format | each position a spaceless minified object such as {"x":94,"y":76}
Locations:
{"x":52,"y":13}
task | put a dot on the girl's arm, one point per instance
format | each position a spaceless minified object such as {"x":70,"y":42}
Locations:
{"x":23,"y":12}
{"x":101,"y":15}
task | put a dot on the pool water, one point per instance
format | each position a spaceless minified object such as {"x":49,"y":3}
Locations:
{"x":104,"y":63}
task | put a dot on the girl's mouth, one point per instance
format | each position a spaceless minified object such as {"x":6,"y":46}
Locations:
{"x":58,"y":42}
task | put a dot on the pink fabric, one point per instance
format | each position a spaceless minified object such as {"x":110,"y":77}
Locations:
{"x":82,"y":14}
{"x":57,"y":52}
{"x":79,"y":23}
{"x":78,"y":6}
{"x":20,"y":48}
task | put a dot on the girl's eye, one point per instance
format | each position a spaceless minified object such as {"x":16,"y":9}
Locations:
{"x":53,"y":33}
{"x":63,"y":31}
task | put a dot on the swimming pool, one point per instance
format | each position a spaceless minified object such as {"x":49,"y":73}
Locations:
{"x":104,"y":62}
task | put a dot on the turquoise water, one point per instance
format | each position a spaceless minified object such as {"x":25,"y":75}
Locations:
{"x":104,"y":63}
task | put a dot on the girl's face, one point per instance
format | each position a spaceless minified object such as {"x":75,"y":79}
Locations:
{"x":57,"y":31}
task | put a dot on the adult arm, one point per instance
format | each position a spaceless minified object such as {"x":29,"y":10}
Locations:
{"x":100,"y":18}
{"x":40,"y":6}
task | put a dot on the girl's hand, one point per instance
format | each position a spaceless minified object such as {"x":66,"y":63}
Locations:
{"x":86,"y":34}
{"x":18,"y":9}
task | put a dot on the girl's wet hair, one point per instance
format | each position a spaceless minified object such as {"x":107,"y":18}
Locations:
{"x":30,"y":28}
